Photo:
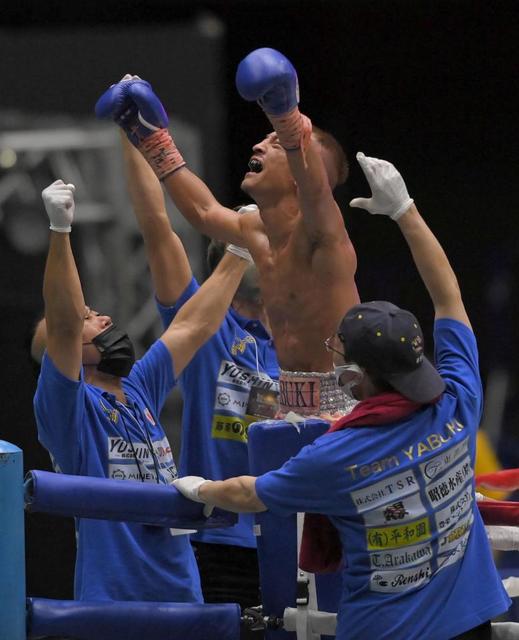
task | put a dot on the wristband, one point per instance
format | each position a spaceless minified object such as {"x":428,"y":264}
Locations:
{"x":60,"y":229}
{"x":161,"y":153}
{"x":293,"y":128}
{"x":401,"y":210}
{"x":240,"y":252}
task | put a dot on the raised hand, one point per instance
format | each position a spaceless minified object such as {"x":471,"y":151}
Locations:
{"x":58,"y":199}
{"x":389,"y":196}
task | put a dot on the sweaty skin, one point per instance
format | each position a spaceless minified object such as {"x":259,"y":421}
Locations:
{"x":305,"y":259}
{"x":306,"y":288}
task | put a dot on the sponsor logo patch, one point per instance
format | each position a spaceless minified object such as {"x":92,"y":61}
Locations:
{"x":407,"y":557}
{"x":400,"y":536}
{"x":433,"y":467}
{"x":449,"y":515}
{"x":388,"y":490}
{"x":443,"y":489}
{"x":403,"y":510}
{"x":240,"y":344}
{"x":398,"y":581}
{"x":241,"y":397}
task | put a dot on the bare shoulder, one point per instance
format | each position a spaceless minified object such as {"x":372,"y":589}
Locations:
{"x":253,"y":229}
{"x":251,"y":220}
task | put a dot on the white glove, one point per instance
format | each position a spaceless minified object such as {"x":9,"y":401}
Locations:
{"x":189,"y":487}
{"x":59,"y":205}
{"x":389,"y":196}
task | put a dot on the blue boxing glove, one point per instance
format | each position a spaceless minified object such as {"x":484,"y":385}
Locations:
{"x":268,"y":77}
{"x":136,"y":109}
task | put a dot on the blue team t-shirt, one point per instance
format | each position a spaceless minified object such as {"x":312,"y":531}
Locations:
{"x":417,"y":559}
{"x":88,"y":433}
{"x":231,"y":382}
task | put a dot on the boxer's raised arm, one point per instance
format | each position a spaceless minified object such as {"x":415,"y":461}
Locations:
{"x":138,"y":111}
{"x":197,"y":204}
{"x":268,"y":77}
{"x":170,"y":269}
{"x":390,"y":198}
{"x":62,"y":294}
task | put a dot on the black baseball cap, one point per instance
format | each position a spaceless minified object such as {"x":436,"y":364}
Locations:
{"x":388,"y":342}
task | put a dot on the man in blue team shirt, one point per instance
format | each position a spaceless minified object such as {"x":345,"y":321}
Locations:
{"x":230,"y":382}
{"x":97,"y":413}
{"x":396,"y":477}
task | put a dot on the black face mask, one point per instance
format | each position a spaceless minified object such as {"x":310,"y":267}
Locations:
{"x":116,"y":349}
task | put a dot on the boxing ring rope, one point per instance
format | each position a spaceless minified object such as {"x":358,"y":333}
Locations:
{"x":289,"y":609}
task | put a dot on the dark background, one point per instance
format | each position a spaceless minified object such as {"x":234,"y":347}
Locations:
{"x":431,"y":86}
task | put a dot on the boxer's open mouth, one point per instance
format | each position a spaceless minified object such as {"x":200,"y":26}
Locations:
{"x":255,"y":165}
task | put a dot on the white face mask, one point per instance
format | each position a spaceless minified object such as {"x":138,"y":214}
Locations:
{"x":348,"y":376}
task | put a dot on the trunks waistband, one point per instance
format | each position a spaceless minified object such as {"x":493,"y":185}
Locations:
{"x":311,"y":393}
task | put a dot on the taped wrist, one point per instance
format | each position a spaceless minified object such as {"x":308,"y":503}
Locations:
{"x":161,"y":153}
{"x":293,"y":128}
{"x":240,"y":252}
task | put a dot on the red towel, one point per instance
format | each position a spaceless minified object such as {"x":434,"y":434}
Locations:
{"x":321,"y":549}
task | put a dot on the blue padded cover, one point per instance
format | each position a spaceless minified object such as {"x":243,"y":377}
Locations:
{"x":271,"y":444}
{"x":85,"y":620}
{"x":104,"y":499}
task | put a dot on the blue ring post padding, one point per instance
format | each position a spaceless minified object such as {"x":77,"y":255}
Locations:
{"x":271,"y":444}
{"x":104,"y":499}
{"x":12,"y":546}
{"x":86,"y":620}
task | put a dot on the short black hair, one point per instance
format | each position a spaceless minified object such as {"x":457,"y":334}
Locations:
{"x":340,"y":160}
{"x":215,"y":252}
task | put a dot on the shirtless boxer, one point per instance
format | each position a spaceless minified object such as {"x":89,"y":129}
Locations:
{"x":297,"y":238}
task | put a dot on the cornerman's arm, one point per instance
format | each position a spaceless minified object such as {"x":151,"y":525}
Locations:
{"x":390,"y":198}
{"x":433,"y":266}
{"x":201,"y":316}
{"x":169,"y":265}
{"x":62,"y":293}
{"x":235,"y":494}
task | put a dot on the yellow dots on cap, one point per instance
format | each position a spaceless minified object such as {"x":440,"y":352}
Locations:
{"x":402,"y":339}
{"x":378,"y":334}
{"x":359,"y":316}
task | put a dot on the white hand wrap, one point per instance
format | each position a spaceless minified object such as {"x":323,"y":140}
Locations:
{"x":58,"y":199}
{"x":240,"y":252}
{"x":389,"y":196}
{"x":248,"y":208}
{"x":189,"y":487}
